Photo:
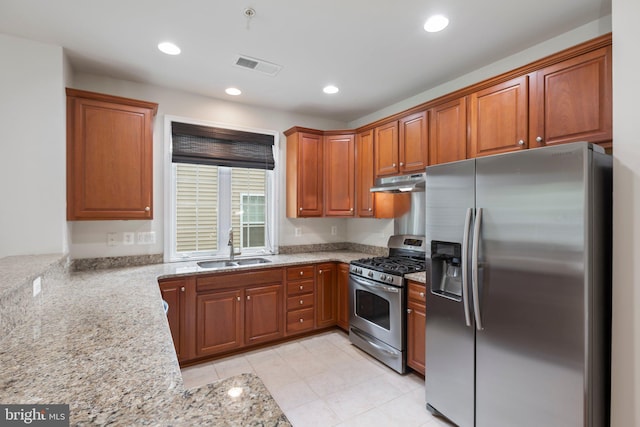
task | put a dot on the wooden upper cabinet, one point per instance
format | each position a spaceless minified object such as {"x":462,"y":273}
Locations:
{"x":365,"y":200}
{"x":339,"y":175}
{"x":414,"y":142}
{"x":448,"y":132}
{"x":571,"y":101}
{"x":109,"y":157}
{"x":386,"y":149}
{"x":499,"y":118}
{"x":304,"y":173}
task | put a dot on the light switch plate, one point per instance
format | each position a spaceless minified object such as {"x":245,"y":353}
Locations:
{"x":128,"y":238}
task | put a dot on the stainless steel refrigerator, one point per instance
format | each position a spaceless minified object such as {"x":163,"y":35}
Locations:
{"x":518,"y":313}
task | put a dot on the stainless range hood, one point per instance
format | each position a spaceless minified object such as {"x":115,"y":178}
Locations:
{"x":400,"y":184}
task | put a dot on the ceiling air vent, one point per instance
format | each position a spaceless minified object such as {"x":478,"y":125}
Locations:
{"x":260,"y":65}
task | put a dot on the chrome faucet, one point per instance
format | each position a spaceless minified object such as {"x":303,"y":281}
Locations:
{"x":232,"y":252}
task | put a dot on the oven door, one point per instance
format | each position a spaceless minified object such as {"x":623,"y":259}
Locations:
{"x":377,"y":310}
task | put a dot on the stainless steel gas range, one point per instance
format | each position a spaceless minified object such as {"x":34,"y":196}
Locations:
{"x":378,"y":302}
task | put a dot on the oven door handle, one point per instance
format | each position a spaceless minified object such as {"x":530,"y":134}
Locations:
{"x":376,"y":346}
{"x":388,"y":289}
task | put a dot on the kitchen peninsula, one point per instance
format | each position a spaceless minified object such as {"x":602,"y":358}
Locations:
{"x":99,"y":341}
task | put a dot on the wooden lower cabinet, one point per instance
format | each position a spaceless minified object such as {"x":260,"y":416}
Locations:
{"x":416,"y":325}
{"x":263,"y":314}
{"x":342,"y":280}
{"x":326,"y":295}
{"x":220,"y":313}
{"x":174,"y":292}
{"x":301,"y":287}
{"x":219,"y":322}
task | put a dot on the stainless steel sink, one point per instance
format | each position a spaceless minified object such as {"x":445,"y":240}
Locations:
{"x":235,"y":263}
{"x":252,"y":261}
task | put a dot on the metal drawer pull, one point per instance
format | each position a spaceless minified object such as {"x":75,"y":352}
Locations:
{"x":421,"y":294}
{"x":182,"y":289}
{"x":301,"y":320}
{"x":301,"y":302}
{"x":301,"y":287}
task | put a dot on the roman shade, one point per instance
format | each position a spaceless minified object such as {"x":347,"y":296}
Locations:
{"x":207,"y":145}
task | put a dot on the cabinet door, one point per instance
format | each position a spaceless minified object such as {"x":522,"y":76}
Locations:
{"x":109,"y":159}
{"x":499,"y":117}
{"x":571,"y":101}
{"x":263,"y":314}
{"x":219,"y":322}
{"x":414,"y":143}
{"x":339,"y":175}
{"x":343,"y":295}
{"x":448,"y":132}
{"x":326,"y":296}
{"x":365,"y":199}
{"x":386,"y":149}
{"x":310,"y":185}
{"x":173,"y":292}
{"x":416,"y":325}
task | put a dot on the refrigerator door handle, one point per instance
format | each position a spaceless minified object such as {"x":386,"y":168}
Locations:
{"x":474,"y":270}
{"x":465,"y":267}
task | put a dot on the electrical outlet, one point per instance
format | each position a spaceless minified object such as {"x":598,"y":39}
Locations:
{"x":334,"y":230}
{"x":297,"y":231}
{"x":128,"y":238}
{"x":37,"y":285}
{"x":146,"y":237}
{"x":112,"y":239}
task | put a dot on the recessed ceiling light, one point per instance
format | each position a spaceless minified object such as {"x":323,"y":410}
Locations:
{"x":330,"y":89}
{"x":436,"y":23}
{"x":169,"y":48}
{"x":233,"y":91}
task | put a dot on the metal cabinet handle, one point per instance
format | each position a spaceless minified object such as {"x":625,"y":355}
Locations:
{"x":248,"y":297}
{"x":147,"y":209}
{"x":421,"y":294}
{"x":301,"y":320}
{"x":301,"y":287}
{"x":521,"y":142}
{"x":370,"y":209}
{"x":539,"y":139}
{"x":300,"y":209}
{"x":301,"y":302}
{"x":238,"y":298}
{"x":351,"y":210}
{"x":409,"y":311}
{"x":182,"y":289}
{"x":401,"y":163}
{"x":393,"y":165}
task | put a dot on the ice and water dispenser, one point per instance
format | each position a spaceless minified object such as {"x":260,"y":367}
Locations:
{"x":446,"y":258}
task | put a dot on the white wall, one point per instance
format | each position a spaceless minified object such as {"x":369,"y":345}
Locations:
{"x":88,"y":238}
{"x":626,"y":213}
{"x":556,"y":44}
{"x":32,"y":148}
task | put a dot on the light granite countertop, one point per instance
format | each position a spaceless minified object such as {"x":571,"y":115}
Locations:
{"x":100,"y":342}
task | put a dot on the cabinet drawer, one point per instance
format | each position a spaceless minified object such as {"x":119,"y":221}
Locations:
{"x":235,"y":279}
{"x":299,"y":287}
{"x":300,"y":272}
{"x":417,"y":292}
{"x":300,"y":301}
{"x":300,"y":320}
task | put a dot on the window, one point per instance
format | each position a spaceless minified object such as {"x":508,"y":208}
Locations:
{"x":214,"y":189}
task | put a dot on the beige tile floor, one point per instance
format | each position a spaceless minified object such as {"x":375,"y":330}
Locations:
{"x":325,"y":381}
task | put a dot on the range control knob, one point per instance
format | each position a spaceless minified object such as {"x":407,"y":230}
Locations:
{"x":383,"y":277}
{"x":390,"y":279}
{"x":370,"y":274}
